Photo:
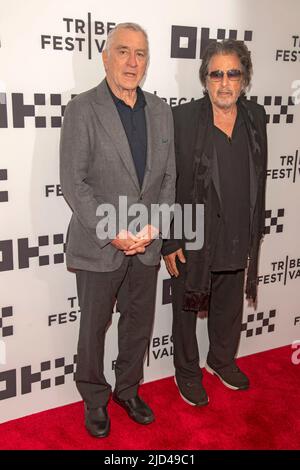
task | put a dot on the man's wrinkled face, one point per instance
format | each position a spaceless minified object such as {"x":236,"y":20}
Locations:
{"x":224,"y":91}
{"x":126,"y":61}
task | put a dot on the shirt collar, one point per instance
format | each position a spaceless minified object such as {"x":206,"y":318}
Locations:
{"x":140,"y":100}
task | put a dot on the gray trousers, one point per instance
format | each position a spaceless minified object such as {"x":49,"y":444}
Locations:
{"x":224,"y":323}
{"x":134,"y":287}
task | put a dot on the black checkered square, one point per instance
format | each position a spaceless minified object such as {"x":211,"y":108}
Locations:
{"x":267,"y":100}
{"x":39,"y":99}
{"x":40,"y":121}
{"x":6,"y":330}
{"x":278,"y":100}
{"x":248,"y":35}
{"x":272,"y":221}
{"x":283,"y":109}
{"x":221,"y":34}
{"x":46,"y":365}
{"x":258,"y":324}
{"x":55,"y":99}
{"x":56,"y":121}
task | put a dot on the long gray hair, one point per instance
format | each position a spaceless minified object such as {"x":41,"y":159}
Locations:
{"x":226,"y":47}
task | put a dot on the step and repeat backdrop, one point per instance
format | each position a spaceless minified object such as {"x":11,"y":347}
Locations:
{"x":51,"y":51}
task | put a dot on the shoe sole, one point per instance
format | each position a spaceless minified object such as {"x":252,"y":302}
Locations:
{"x":147,"y":420}
{"x":186,"y":400}
{"x":232,"y":387}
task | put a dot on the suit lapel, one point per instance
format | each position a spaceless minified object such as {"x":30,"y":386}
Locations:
{"x":109,"y":117}
{"x":204,"y":143}
{"x":152,"y":138}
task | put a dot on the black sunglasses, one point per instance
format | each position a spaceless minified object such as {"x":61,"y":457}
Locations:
{"x":232,"y":74}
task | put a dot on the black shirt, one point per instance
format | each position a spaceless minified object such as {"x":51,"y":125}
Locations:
{"x":233,"y":162}
{"x":134,"y":123}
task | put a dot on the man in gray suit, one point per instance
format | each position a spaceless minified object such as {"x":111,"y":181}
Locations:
{"x":116,"y":141}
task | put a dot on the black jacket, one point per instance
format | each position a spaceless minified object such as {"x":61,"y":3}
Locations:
{"x":198,"y":181}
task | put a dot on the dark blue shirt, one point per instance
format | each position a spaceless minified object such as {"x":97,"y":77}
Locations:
{"x":134,"y":123}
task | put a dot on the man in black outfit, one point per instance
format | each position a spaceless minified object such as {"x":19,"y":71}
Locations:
{"x":221,"y":156}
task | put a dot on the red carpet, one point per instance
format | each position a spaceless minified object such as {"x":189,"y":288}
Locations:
{"x":267,"y":416}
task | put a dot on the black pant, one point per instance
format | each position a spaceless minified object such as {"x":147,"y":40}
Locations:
{"x":224,"y":323}
{"x":134,"y":287}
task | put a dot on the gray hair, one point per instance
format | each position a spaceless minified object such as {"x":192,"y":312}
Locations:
{"x":132,"y":26}
{"x":227,"y":47}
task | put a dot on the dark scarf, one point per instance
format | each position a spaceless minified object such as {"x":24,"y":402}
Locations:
{"x":198,"y":262}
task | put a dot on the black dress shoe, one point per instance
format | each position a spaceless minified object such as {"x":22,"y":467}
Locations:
{"x":136,"y":409}
{"x":97,"y":421}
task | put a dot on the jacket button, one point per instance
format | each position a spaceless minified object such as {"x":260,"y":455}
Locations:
{"x":218,"y":215}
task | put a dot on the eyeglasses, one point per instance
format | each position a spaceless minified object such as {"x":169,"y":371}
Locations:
{"x":232,"y":74}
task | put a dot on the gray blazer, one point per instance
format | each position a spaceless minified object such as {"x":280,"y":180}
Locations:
{"x":96,"y":166}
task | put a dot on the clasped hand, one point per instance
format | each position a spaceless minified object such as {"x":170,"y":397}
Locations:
{"x":133,"y":244}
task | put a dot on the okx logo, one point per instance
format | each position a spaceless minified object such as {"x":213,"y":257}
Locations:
{"x":26,"y":251}
{"x":262,"y":322}
{"x":47,"y":374}
{"x":38,"y":109}
{"x":81,"y":35}
{"x":273,"y":221}
{"x":184,"y":39}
